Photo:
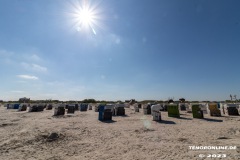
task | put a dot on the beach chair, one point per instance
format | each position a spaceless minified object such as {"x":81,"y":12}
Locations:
{"x":33,"y":108}
{"x":49,"y":107}
{"x":213,"y":109}
{"x":203,"y":107}
{"x":105,"y":113}
{"x":231,"y":109}
{"x":155,"y":111}
{"x":10,"y":106}
{"x":163,"y":107}
{"x":119,"y":110}
{"x":76,"y":107}
{"x":83,"y":107}
{"x":16,"y":106}
{"x":196,"y":111}
{"x":238,"y":108}
{"x":71,"y":109}
{"x":40,"y":107}
{"x":89,"y":107}
{"x":173,"y":110}
{"x":111,"y":107}
{"x":135,"y":107}
{"x":59,"y":110}
{"x":139,"y":105}
{"x":13,"y":106}
{"x":22,"y":107}
{"x":189,"y":108}
{"x":147,"y":109}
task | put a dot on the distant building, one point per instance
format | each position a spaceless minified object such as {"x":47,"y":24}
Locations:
{"x":24,"y":100}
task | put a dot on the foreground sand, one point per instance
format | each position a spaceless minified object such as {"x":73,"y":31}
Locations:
{"x":25,"y":136}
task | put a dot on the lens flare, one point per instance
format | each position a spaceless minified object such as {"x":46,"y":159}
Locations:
{"x":146,"y":122}
{"x":86,"y":16}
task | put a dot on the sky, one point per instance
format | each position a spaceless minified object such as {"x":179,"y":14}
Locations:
{"x":119,"y":50}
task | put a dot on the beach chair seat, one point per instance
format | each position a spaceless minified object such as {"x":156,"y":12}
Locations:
{"x":105,"y":113}
{"x":155,"y":112}
{"x":59,"y":110}
{"x":71,"y":109}
{"x":196,"y":111}
{"x":96,"y":108}
{"x":231,"y":109}
{"x":189,"y":108}
{"x":119,"y":111}
{"x":49,"y":107}
{"x":10,"y":106}
{"x":36,"y":108}
{"x":33,"y":108}
{"x":213,"y":109}
{"x":76,"y":107}
{"x":40,"y":107}
{"x":83,"y":107}
{"x":22,"y":107}
{"x":147,"y":109}
{"x":203,"y":107}
{"x":139,"y":105}
{"x":173,"y":110}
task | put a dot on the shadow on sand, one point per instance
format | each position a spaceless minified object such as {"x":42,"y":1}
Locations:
{"x":184,"y":118}
{"x":121,"y":116}
{"x":108,"y":121}
{"x":165,"y":122}
{"x":212,"y":120}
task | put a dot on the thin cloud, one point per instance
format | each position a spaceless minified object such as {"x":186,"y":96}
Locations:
{"x":28,"y":77}
{"x":35,"y":57}
{"x":34,"y":67}
{"x":39,"y":68}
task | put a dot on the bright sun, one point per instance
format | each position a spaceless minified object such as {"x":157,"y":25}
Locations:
{"x":85,"y":16}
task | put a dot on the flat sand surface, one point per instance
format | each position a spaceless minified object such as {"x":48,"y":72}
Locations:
{"x":25,"y":136}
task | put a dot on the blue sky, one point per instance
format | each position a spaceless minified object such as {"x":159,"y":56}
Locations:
{"x":142,"y":49}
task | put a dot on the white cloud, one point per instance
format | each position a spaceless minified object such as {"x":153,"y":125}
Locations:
{"x":28,"y":77}
{"x":39,"y":68}
{"x":34,"y":67}
{"x":35,"y":57}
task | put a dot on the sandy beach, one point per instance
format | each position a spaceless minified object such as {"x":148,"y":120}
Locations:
{"x":81,"y":136}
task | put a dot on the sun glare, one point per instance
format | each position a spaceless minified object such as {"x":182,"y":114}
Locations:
{"x":85,"y":16}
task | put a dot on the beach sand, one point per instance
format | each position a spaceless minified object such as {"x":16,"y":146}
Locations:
{"x":80,"y":136}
